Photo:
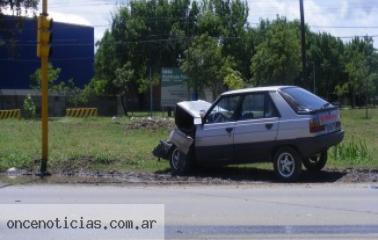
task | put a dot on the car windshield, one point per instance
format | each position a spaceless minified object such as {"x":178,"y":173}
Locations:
{"x":224,"y":110}
{"x":302,"y":100}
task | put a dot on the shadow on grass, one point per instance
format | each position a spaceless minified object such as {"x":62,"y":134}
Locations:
{"x":259,"y":175}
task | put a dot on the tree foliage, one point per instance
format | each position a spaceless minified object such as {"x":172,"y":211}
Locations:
{"x":277,"y":58}
{"x":18,"y":5}
{"x":361,"y":69}
{"x":76,"y":96}
{"x":233,"y":80}
{"x":204,"y":64}
{"x":212,"y":42}
{"x":326,"y":63}
{"x":155,"y":34}
{"x":53,"y":75}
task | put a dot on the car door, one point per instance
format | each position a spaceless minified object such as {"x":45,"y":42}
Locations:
{"x":215,"y":137}
{"x":256,"y":129}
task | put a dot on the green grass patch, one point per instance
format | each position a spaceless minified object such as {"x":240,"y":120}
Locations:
{"x":360,"y":146}
{"x":93,"y":143}
{"x":101,"y":144}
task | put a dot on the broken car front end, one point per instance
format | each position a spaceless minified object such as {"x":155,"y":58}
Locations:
{"x":187,"y":115}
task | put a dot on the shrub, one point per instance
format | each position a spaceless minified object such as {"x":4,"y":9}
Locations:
{"x":29,"y":107}
{"x":354,"y":151}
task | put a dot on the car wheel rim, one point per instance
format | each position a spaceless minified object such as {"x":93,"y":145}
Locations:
{"x":286,"y":164}
{"x":176,"y":159}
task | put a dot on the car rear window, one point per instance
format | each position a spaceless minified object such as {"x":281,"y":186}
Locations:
{"x":303,"y":101}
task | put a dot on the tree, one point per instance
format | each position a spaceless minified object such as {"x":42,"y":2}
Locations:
{"x":18,"y":5}
{"x":123,"y":76}
{"x":203,"y":64}
{"x":362,"y":71}
{"x":154,"y":34}
{"x":144,"y":35}
{"x":53,"y":75}
{"x":221,"y":50}
{"x":277,"y":58}
{"x":233,"y":80}
{"x":238,"y":40}
{"x":105,"y":63}
{"x":326,"y":63}
{"x":76,"y":95}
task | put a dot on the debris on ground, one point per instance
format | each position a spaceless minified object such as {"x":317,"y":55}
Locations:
{"x":222,"y":176}
{"x":150,"y":123}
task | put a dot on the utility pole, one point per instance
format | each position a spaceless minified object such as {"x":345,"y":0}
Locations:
{"x":303,"y":44}
{"x":43,"y":52}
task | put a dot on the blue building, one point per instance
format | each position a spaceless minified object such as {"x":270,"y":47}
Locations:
{"x":72,"y":51}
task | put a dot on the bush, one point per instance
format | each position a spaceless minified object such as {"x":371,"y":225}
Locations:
{"x":29,"y":107}
{"x":353,"y":151}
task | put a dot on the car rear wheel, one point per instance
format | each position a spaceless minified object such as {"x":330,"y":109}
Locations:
{"x":316,"y":162}
{"x":287,"y":164}
{"x":179,"y":162}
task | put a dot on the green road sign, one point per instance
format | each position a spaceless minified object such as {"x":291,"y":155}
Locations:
{"x":174,"y":87}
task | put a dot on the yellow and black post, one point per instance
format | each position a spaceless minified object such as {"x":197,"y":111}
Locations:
{"x":43,"y":52}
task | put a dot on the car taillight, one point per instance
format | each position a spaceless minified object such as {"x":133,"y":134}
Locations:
{"x":315,"y":126}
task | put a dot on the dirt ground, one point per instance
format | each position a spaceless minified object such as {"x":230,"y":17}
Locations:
{"x":219,"y":176}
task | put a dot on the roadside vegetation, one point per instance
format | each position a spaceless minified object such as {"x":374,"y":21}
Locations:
{"x":213,"y":43}
{"x":360,"y":145}
{"x":87,"y":144}
{"x":124,"y":144}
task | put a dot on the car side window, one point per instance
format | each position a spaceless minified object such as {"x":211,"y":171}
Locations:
{"x":257,"y":105}
{"x":224,"y":110}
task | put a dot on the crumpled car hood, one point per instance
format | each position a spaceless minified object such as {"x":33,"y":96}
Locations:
{"x":194,"y":107}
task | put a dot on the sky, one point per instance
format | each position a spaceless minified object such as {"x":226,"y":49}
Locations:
{"x":343,"y":18}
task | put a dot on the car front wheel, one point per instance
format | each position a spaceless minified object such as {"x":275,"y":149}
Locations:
{"x":316,"y":162}
{"x":287,"y":164}
{"x":179,"y":162}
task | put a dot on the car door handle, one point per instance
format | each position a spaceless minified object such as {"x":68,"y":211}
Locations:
{"x":229,"y":130}
{"x":269,"y":126}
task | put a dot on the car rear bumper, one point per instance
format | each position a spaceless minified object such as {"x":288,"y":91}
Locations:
{"x":310,"y":146}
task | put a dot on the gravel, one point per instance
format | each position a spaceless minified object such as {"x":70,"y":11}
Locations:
{"x":206,"y":176}
{"x":150,"y":123}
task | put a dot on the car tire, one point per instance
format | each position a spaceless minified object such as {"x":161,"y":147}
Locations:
{"x":316,"y":163}
{"x":180,"y":162}
{"x":287,"y":164}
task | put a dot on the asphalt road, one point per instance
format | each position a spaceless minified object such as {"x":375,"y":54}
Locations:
{"x":256,"y":211}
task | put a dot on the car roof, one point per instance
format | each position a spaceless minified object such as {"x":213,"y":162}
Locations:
{"x":255,"y":89}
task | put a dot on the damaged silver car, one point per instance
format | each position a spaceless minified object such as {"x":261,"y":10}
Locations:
{"x":286,"y":125}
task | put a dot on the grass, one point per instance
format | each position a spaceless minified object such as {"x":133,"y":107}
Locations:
{"x":94,"y":143}
{"x":100,"y":144}
{"x":360,"y":145}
